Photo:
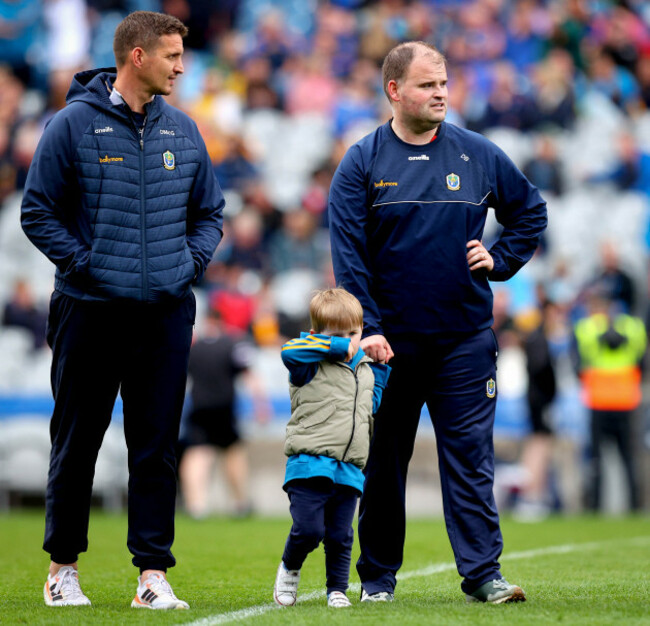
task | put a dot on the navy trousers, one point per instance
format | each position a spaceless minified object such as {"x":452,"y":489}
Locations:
{"x":322,"y":511}
{"x":140,"y":350}
{"x":456,"y":381}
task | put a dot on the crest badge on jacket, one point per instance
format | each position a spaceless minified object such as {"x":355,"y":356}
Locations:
{"x":169,"y":160}
{"x":453,"y":182}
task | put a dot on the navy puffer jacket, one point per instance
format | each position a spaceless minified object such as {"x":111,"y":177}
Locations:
{"x":122,"y":216}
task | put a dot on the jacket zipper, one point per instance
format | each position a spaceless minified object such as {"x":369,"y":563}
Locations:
{"x":143,"y":215}
{"x":354,"y":414}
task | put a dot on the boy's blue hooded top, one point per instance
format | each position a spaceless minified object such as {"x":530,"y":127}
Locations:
{"x":122,"y":215}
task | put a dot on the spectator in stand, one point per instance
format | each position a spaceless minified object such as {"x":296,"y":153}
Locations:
{"x":355,"y":104}
{"x":643,"y":76}
{"x":544,"y":169}
{"x":613,"y":81}
{"x":631,"y":171}
{"x":218,"y":104}
{"x":246,"y":244}
{"x":612,"y":280}
{"x":508,"y":105}
{"x":314,"y":199}
{"x":260,"y":89}
{"x":22,"y":310}
{"x":236,"y":168}
{"x":554,"y":89}
{"x":20,"y":22}
{"x":623,"y":33}
{"x":309,"y":86}
{"x":527,"y":29}
{"x":296,"y":245}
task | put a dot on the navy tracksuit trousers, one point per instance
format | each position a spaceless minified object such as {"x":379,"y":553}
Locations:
{"x":453,"y":379}
{"x":140,"y":350}
{"x":321,"y":511}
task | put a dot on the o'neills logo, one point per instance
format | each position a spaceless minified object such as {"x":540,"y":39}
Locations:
{"x":422,"y":157}
{"x":107,"y":159}
{"x":383,"y":183}
{"x":106,"y":129}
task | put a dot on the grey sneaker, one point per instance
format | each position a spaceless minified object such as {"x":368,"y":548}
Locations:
{"x":63,"y":589}
{"x":378,"y":596}
{"x":497,"y":591}
{"x":285,"y":590}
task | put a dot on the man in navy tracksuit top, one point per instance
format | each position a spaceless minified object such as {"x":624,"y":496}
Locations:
{"x":408,"y":206}
{"x":122,"y":198}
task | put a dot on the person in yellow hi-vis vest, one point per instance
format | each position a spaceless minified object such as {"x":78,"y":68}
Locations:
{"x":610,"y":347}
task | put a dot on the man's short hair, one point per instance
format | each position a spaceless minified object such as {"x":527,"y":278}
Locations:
{"x":143,"y":29}
{"x":398,"y":60}
{"x":335,"y":308}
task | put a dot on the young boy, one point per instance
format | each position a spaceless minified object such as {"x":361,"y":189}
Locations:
{"x":335,"y":389}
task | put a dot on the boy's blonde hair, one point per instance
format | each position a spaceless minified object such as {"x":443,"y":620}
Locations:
{"x":335,"y":308}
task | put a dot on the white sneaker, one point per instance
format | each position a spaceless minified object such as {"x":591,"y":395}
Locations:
{"x":63,"y":589}
{"x":285,"y":590}
{"x":156,"y":593}
{"x":337,"y":600}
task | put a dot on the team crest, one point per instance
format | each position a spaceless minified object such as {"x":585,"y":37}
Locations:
{"x":169,"y":160}
{"x":490,"y":388}
{"x":453,"y":182}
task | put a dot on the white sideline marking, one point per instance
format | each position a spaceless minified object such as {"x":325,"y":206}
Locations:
{"x":436,"y":568}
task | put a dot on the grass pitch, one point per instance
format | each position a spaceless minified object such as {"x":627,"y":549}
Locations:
{"x":585,"y":570}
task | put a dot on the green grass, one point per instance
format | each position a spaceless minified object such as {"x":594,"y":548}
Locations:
{"x":586,"y":570}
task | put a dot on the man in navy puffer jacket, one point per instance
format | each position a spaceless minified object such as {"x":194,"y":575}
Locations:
{"x":122,"y":198}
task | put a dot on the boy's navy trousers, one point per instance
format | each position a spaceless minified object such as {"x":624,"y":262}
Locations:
{"x":100,"y":348}
{"x":322,"y":511}
{"x":456,"y":380}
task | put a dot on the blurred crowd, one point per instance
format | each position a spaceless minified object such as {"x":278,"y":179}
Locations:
{"x":281,"y":88}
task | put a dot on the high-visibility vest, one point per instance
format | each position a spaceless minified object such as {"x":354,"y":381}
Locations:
{"x":611,"y":377}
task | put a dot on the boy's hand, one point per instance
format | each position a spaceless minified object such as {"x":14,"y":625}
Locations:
{"x":351,"y":353}
{"x":377,"y":348}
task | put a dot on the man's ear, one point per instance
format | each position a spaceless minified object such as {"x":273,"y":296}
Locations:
{"x":392,"y":88}
{"x":137,"y":56}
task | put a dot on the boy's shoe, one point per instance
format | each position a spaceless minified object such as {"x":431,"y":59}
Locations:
{"x":497,"y":591}
{"x":63,"y":589}
{"x":378,"y":596}
{"x":156,"y":593}
{"x":285,"y":590}
{"x":337,"y":600}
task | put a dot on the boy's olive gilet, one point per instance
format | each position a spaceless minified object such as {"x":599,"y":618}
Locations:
{"x":332,"y":414}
